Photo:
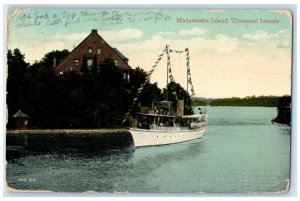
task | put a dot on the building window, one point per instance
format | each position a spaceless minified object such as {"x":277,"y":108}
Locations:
{"x":128,"y":77}
{"x":90,"y":51}
{"x":76,"y":62}
{"x":98,"y":51}
{"x":116,"y":62}
{"x":89,"y":63}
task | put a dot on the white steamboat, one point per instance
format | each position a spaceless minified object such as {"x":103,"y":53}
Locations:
{"x":163,"y":124}
{"x":159,"y":129}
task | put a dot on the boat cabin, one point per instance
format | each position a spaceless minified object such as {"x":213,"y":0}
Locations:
{"x":162,"y":115}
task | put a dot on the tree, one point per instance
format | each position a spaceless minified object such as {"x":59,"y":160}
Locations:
{"x":94,"y":98}
{"x":150,"y":93}
{"x":283,"y":110}
{"x":138,"y":77}
{"x":260,"y":101}
{"x":18,"y":82}
{"x":175,"y":92}
{"x":59,"y":56}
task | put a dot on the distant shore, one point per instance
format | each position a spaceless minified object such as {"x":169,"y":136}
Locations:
{"x":249,"y":101}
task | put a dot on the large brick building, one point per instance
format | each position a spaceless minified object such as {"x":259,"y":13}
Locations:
{"x":92,"y":49}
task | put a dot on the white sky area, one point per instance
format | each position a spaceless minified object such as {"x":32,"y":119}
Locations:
{"x":222,"y":65}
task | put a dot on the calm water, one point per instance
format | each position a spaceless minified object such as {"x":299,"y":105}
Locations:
{"x":241,"y":152}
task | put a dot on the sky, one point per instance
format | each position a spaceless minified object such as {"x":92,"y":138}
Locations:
{"x":233,"y":53}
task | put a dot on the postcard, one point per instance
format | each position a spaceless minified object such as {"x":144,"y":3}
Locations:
{"x":115,"y":100}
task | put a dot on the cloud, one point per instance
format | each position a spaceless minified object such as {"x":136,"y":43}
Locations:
{"x":259,"y":35}
{"x":166,"y":33}
{"x":122,"y":35}
{"x":220,"y":43}
{"x":264,"y":35}
{"x":71,"y":37}
{"x":34,"y":51}
{"x":196,"y":31}
{"x":224,"y":43}
{"x":76,"y":36}
{"x":117,"y":36}
{"x":284,"y":32}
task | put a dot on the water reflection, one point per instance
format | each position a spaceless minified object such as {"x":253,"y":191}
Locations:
{"x":169,"y":152}
{"x":74,"y":172}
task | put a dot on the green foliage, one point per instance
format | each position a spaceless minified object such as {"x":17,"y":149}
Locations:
{"x":175,"y":92}
{"x":18,"y":83}
{"x":196,"y":103}
{"x":260,"y":101}
{"x":138,"y":77}
{"x":95,"y":98}
{"x":284,"y":110}
{"x":150,"y":93}
{"x":47,"y":60}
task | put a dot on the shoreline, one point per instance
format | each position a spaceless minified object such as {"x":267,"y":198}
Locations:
{"x":67,"y":131}
{"x":23,"y":142}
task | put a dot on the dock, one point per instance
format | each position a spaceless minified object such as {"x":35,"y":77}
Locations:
{"x":23,"y":142}
{"x":66,"y":131}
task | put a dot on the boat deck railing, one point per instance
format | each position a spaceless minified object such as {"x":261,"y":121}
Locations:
{"x":176,"y":128}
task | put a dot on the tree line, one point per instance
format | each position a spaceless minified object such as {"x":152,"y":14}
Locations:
{"x":260,"y":101}
{"x":98,"y":98}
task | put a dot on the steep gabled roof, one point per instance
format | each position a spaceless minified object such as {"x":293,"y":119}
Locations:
{"x":120,"y":54}
{"x":116,"y":51}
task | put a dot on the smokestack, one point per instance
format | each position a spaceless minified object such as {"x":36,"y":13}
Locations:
{"x":54,"y":62}
{"x":180,"y":107}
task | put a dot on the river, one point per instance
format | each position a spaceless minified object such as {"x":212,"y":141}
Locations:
{"x":240,"y":152}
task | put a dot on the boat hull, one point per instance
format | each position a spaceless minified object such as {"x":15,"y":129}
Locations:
{"x":144,"y":137}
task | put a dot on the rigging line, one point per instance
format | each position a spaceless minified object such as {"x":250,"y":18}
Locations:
{"x":189,"y":76}
{"x":169,"y":76}
{"x":169,"y":71}
{"x":142,"y":86}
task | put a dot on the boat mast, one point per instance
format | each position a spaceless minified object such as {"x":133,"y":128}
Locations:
{"x":187,"y":79}
{"x":167,"y":51}
{"x":187,"y":76}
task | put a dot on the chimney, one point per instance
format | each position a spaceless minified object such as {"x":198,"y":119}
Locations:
{"x":94,"y":30}
{"x":54,"y":61}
